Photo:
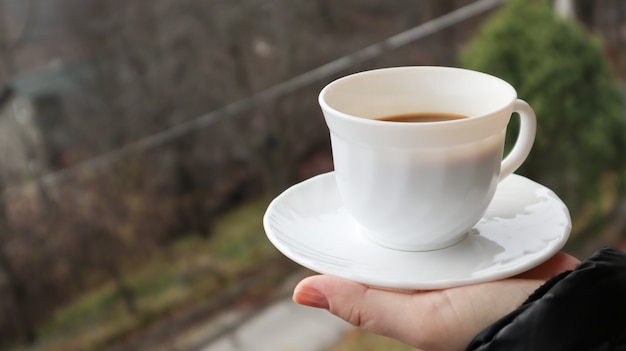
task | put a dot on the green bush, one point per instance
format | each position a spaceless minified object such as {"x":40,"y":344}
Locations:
{"x":562,"y":72}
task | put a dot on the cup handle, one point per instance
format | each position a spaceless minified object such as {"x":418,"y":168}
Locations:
{"x":525,"y":139}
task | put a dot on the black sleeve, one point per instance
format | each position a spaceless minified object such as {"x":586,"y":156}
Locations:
{"x":583,"y":309}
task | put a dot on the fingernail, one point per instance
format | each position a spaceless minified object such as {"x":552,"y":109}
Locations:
{"x":311,"y":297}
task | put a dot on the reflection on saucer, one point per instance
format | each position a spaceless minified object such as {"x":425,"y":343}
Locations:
{"x":525,"y":225}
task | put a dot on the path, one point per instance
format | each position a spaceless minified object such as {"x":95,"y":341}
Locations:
{"x":284,"y":326}
{"x":281,"y":326}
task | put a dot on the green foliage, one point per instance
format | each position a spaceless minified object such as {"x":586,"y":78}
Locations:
{"x":560,"y":70}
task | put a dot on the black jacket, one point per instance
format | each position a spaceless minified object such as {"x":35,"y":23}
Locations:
{"x":583,"y":309}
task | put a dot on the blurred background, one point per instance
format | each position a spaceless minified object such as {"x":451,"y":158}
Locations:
{"x":141,"y":141}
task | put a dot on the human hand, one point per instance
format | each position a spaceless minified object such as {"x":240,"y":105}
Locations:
{"x":429,"y":320}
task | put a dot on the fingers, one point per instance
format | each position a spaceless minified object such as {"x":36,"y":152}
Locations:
{"x":343,"y":298}
{"x":432,"y":320}
{"x":428,"y":320}
{"x":307,"y":294}
{"x":351,"y":301}
{"x":383,"y":312}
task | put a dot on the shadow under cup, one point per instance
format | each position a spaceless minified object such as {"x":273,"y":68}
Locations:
{"x":420,"y":185}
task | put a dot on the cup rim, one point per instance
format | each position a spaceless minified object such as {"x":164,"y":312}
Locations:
{"x":351,"y":117}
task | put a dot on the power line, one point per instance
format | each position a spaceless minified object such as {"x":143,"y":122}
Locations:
{"x":396,"y":41}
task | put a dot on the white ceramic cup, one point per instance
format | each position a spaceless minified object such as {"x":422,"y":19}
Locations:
{"x":419,"y":186}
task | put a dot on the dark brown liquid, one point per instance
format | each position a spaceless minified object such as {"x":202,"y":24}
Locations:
{"x":423,"y":117}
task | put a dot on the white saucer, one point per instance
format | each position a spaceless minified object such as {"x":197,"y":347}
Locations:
{"x":525,"y":225}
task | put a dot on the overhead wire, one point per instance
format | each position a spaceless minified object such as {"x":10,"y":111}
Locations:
{"x":315,"y":75}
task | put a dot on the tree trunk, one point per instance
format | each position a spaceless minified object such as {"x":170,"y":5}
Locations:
{"x":126,"y":293}
{"x":17,"y":294}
